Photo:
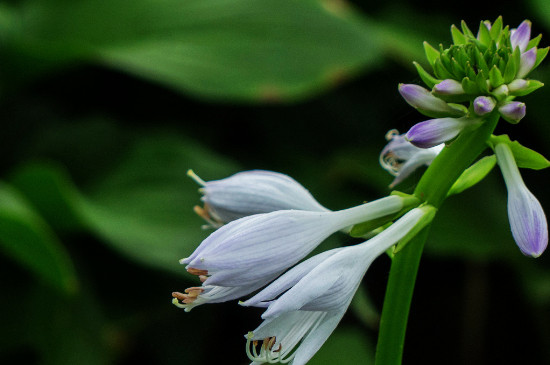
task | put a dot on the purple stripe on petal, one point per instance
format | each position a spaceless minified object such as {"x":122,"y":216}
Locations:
{"x":432,"y":132}
{"x":512,"y":111}
{"x":520,"y":36}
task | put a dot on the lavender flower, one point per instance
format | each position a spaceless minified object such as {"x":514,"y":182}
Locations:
{"x":251,"y":192}
{"x":248,"y":253}
{"x":527,"y":219}
{"x":305,"y":304}
{"x":401,"y":158}
{"x":433,"y":132}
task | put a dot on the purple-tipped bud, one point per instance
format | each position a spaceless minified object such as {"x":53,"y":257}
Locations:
{"x":527,"y":219}
{"x":512,"y":111}
{"x":420,"y":98}
{"x":449,"y":87}
{"x":527,"y":62}
{"x":518,"y":85}
{"x":484,"y":105}
{"x":432,"y":132}
{"x":520,"y":36}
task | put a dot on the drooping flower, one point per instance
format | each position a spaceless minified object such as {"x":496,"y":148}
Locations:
{"x":401,"y":158}
{"x":249,"y":252}
{"x":306,"y":303}
{"x":251,"y":192}
{"x":433,"y":132}
{"x":526,"y":216}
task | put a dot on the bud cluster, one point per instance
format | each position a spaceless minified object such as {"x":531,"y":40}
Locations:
{"x":487,"y":71}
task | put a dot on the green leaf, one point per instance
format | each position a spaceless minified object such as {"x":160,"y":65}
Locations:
{"x":534,"y":42}
{"x":467,"y":32}
{"x":473,"y":174}
{"x":27,"y":239}
{"x":458,"y":37}
{"x":469,"y":86}
{"x":495,"y":76}
{"x":432,"y":54}
{"x":241,"y":49}
{"x":525,"y":157}
{"x":496,"y":28}
{"x":428,"y":79}
{"x":484,"y":34}
{"x":541,"y":55}
{"x":512,"y":66}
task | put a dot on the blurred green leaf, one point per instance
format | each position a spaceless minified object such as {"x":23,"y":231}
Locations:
{"x":26,"y":238}
{"x":346,"y":346}
{"x":241,"y":49}
{"x":143,"y":209}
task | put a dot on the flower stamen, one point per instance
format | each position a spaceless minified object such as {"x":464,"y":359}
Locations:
{"x":198,"y":272}
{"x":267,"y":353}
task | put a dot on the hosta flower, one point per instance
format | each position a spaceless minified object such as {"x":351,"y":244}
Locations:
{"x":520,"y":37}
{"x":305,"y":304}
{"x":527,"y":219}
{"x":433,"y":132}
{"x":249,"y":252}
{"x":401,"y":158}
{"x":252,"y":192}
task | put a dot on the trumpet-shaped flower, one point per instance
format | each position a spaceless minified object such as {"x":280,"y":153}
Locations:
{"x":249,"y":252}
{"x":401,"y":158}
{"x":433,"y":132}
{"x":306,"y":303}
{"x":251,"y":192}
{"x":527,"y":219}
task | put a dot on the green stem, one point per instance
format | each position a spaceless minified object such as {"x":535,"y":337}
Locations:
{"x":432,"y":189}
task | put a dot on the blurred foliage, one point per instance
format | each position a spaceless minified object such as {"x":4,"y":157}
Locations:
{"x":105,"y":106}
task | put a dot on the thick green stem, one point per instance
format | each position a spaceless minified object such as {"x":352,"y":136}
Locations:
{"x":432,"y":189}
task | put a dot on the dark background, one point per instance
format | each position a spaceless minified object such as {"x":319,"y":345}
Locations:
{"x":100,"y":124}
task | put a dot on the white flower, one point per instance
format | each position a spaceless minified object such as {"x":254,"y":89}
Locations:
{"x":306,"y":303}
{"x":401,"y":158}
{"x":527,"y":219}
{"x":251,"y":192}
{"x":250,"y":252}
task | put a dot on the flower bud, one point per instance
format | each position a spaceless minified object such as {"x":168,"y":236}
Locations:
{"x":500,"y":92}
{"x":428,"y":104}
{"x":520,"y":36}
{"x":518,"y":85}
{"x":527,"y":219}
{"x":433,"y":132}
{"x":512,"y":111}
{"x":484,"y":105}
{"x":449,"y":87}
{"x":526,"y":63}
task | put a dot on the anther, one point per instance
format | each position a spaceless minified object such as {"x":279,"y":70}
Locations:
{"x":198,"y":272}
